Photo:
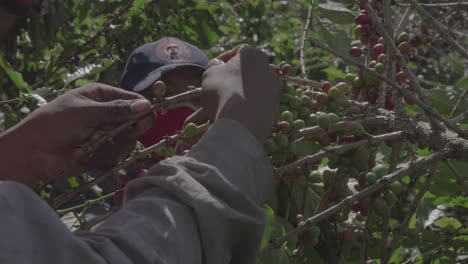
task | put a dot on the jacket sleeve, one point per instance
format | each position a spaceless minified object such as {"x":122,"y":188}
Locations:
{"x":200,"y":208}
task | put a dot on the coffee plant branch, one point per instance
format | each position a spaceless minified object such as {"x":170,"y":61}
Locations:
{"x":390,"y":43}
{"x":439,"y":4}
{"x":365,"y":236}
{"x":303,"y":42}
{"x":65,"y":197}
{"x":460,"y":99}
{"x":343,"y":125}
{"x":427,"y":108}
{"x":403,"y":20}
{"x":462,"y":180}
{"x":404,"y":224}
{"x":300,"y":81}
{"x":443,"y":30}
{"x":385,"y":233}
{"x":408,"y":168}
{"x":160,"y":104}
{"x":391,"y":62}
{"x":117,"y":14}
{"x":339,"y":150}
{"x":15,"y":100}
{"x":86,"y":204}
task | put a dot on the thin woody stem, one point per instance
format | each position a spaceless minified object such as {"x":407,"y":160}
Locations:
{"x":339,"y":150}
{"x":427,"y":108}
{"x":304,"y":37}
{"x":385,"y":181}
{"x":65,"y":197}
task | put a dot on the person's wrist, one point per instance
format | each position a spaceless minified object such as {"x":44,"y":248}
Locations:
{"x":19,"y":156}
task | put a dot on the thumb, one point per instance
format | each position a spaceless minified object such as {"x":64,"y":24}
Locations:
{"x":198,"y":118}
{"x":118,"y":111}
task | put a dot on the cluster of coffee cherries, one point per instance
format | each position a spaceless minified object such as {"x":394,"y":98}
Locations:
{"x":373,"y":47}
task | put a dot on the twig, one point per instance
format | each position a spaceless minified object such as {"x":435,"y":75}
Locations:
{"x":9,"y":101}
{"x":427,"y":108}
{"x":460,"y":178}
{"x":338,"y":150}
{"x":104,"y":28}
{"x":304,"y":37}
{"x":443,"y":30}
{"x":365,"y":238}
{"x":65,"y":197}
{"x":403,"y":19}
{"x":459,"y":117}
{"x":324,"y":199}
{"x":407,"y":168}
{"x":461,"y":98}
{"x":395,"y":155}
{"x":161,"y":104}
{"x":96,"y":220}
{"x":414,"y":205}
{"x":377,"y":121}
{"x":440,"y":4}
{"x":86,"y":204}
{"x":385,"y":233}
{"x":389,"y":43}
{"x":300,"y":81}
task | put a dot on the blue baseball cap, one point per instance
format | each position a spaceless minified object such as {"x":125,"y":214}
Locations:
{"x":149,"y":62}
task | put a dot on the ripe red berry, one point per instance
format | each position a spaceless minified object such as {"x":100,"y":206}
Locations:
{"x":389,"y":103}
{"x":287,"y":69}
{"x":408,"y":100}
{"x":309,"y":94}
{"x":360,"y":72}
{"x":284,"y":126}
{"x":371,"y":64}
{"x":326,"y":86}
{"x":322,"y":98}
{"x":366,"y":30}
{"x":347,"y":236}
{"x":401,"y":77}
{"x":323,"y":139}
{"x":361,"y":19}
{"x":356,"y":207}
{"x":410,"y":86}
{"x":372,"y":95}
{"x":398,"y":67}
{"x":355,"y":51}
{"x":357,"y":187}
{"x":360,"y":217}
{"x":350,"y":138}
{"x":373,"y":40}
{"x":364,"y":211}
{"x":377,"y":50}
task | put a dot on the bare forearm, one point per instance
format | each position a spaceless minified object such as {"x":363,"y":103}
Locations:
{"x":16,"y":157}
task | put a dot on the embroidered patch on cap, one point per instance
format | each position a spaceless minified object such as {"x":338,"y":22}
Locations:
{"x":173,"y":50}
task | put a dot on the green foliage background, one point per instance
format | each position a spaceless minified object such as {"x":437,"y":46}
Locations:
{"x":82,"y":41}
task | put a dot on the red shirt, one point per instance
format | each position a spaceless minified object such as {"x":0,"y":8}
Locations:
{"x":166,"y":124}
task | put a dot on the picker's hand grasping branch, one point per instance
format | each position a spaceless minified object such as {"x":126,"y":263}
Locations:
{"x":241,"y":85}
{"x":47,"y":143}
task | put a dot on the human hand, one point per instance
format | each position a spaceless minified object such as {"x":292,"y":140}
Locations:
{"x":51,"y":137}
{"x":241,"y":85}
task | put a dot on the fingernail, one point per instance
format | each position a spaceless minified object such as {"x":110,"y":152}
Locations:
{"x":141,"y":105}
{"x":214,"y":62}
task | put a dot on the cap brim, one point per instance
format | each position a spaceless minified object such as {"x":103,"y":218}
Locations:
{"x":156,"y":75}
